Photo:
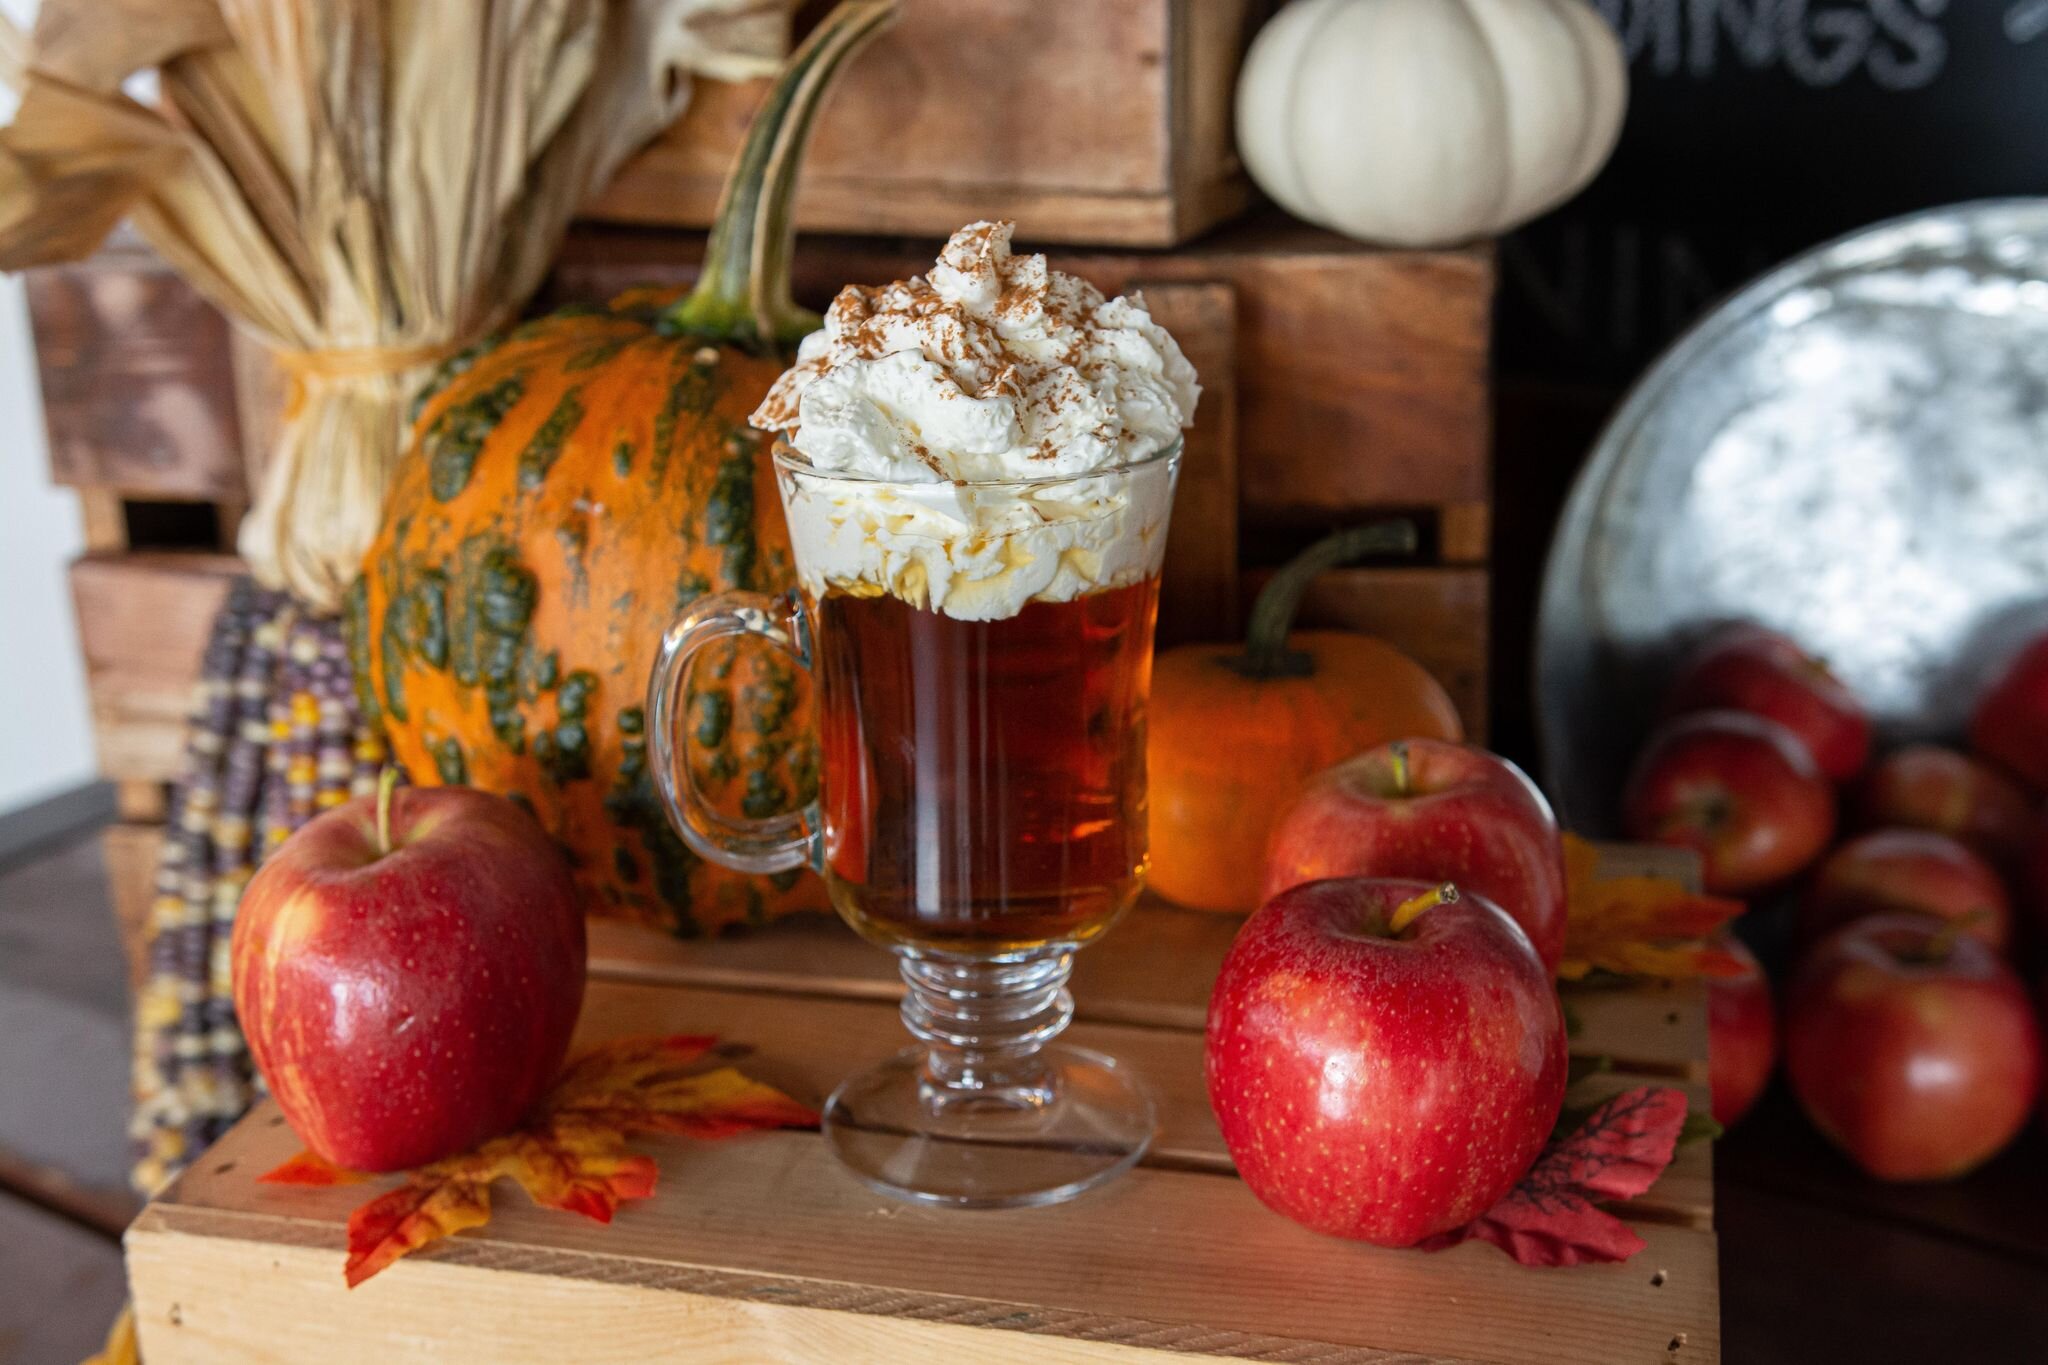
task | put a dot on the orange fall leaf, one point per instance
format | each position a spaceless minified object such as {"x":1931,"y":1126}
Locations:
{"x":1639,"y":926}
{"x":571,"y":1154}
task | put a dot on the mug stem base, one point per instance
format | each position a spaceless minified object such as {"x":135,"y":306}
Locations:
{"x":988,"y":1111}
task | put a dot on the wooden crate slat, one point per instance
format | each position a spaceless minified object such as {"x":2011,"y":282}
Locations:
{"x":1198,"y":592}
{"x":807,"y":1050}
{"x":782,"y":1224}
{"x":1660,"y":1030}
{"x":1438,"y":616}
{"x":1154,"y":970}
{"x":1362,"y":373}
{"x":143,"y":620}
{"x":1127,"y":138}
{"x":138,"y":390}
{"x":130,"y":852}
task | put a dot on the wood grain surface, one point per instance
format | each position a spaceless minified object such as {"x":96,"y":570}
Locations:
{"x":138,"y":391}
{"x":1362,"y":373}
{"x":143,"y":620}
{"x":1198,"y":587}
{"x":763,"y":1249}
{"x":1102,"y":123}
{"x":1161,"y":1259}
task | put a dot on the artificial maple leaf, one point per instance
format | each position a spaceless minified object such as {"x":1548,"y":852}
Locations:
{"x":1638,"y":926}
{"x":1551,"y":1217}
{"x":570,"y":1154}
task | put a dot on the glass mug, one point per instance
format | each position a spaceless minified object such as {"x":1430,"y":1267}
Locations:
{"x":981,"y":813}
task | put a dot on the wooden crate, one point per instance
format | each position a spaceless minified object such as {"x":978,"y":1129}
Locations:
{"x":1094,"y":122}
{"x":1358,"y":388}
{"x":762,"y":1249}
{"x":1342,"y":383}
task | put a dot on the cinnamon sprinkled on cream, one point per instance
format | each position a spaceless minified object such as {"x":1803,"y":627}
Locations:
{"x":993,"y":367}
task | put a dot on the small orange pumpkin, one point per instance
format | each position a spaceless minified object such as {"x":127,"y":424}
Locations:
{"x":1235,"y":732}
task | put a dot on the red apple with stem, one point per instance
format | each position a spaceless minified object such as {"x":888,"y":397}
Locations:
{"x":1738,"y":789}
{"x":1385,"y":1058}
{"x":408,"y":970}
{"x":1912,"y":1046}
{"x":1748,"y":668}
{"x":1436,"y":811}
{"x":1926,"y":786}
{"x":2010,"y":723}
{"x":1742,"y":1033}
{"x":1909,"y":870}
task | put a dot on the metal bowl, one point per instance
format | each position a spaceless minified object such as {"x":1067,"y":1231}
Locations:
{"x":1853,"y":449}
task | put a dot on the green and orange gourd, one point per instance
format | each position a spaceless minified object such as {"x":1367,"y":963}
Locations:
{"x":572,"y":487}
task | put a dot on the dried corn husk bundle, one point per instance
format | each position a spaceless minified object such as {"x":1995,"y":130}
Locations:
{"x":366,"y":185}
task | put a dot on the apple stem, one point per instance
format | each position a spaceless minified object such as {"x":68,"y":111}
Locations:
{"x":1943,"y":943}
{"x":387,"y":783}
{"x":1266,"y":654}
{"x":1410,"y":910}
{"x":1398,"y":753}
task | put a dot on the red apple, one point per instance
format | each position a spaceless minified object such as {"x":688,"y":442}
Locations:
{"x":1924,"y":786}
{"x":1912,"y":870}
{"x":1379,"y":1073}
{"x":1912,"y":1047}
{"x":408,"y":996}
{"x":1743,"y":1036}
{"x":1436,"y":811}
{"x":2010,"y":724}
{"x":1748,"y":668}
{"x":1738,"y":789}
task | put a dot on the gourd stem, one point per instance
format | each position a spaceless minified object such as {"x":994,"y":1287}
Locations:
{"x":743,"y":292}
{"x":1265,"y":653}
{"x":1410,"y":910}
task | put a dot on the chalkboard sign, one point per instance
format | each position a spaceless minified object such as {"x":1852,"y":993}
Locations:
{"x":1757,"y":128}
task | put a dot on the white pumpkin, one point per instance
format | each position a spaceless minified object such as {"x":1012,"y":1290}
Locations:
{"x":1429,"y":122}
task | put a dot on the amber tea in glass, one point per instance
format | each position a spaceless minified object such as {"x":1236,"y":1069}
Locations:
{"x":981,"y":811}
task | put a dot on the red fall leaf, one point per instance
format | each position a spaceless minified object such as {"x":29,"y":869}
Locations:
{"x":1639,"y":926}
{"x":1553,"y":1217}
{"x":571,"y":1154}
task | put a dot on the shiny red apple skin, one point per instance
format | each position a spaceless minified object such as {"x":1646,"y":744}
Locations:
{"x":1742,"y":1028}
{"x":1462,"y":815}
{"x":1383,"y":1089}
{"x":2010,"y":723}
{"x":1927,"y":786}
{"x":1748,"y":668}
{"x":1918,"y":1070}
{"x":1738,"y":789}
{"x":406,"y":1007}
{"x":1906,"y":870}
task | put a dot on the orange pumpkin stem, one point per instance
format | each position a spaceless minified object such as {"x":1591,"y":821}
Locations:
{"x":1410,"y":910}
{"x":743,"y":292}
{"x":1266,"y":654}
{"x":387,"y":783}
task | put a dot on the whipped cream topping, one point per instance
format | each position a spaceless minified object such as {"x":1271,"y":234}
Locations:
{"x":993,"y":369}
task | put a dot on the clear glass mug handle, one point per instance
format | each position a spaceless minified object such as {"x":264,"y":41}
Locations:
{"x":780,"y":842}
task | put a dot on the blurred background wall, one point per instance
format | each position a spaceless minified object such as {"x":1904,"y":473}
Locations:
{"x":45,"y":742}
